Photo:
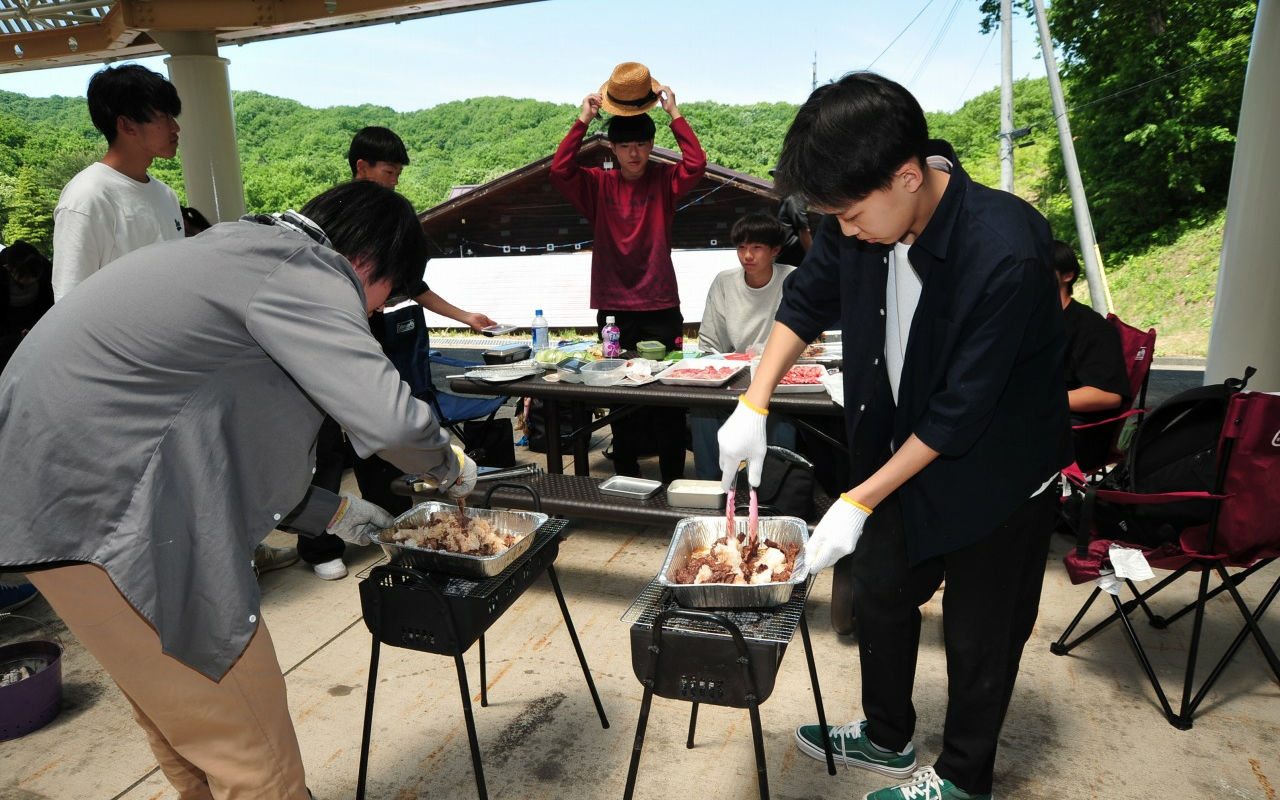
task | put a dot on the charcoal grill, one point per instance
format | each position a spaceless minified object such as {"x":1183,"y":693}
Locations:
{"x":446,"y":614}
{"x":723,"y":657}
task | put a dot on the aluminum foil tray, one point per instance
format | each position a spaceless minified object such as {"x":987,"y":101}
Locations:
{"x":693,"y":533}
{"x":515,"y":522}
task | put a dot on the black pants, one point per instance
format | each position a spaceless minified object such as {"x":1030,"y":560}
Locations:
{"x":374,"y":477}
{"x":658,"y":427}
{"x":331,"y":458}
{"x":989,"y":607}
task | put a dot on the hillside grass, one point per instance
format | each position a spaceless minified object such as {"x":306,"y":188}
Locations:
{"x":1169,"y":287}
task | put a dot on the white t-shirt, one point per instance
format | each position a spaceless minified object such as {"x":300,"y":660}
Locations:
{"x":103,"y":214}
{"x":737,"y":316}
{"x":902,"y":295}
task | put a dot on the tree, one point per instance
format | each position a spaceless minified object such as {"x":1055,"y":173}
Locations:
{"x":29,"y":217}
{"x":1154,"y":90}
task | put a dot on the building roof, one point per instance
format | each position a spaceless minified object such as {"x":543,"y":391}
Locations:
{"x":521,"y":213}
{"x":39,"y":34}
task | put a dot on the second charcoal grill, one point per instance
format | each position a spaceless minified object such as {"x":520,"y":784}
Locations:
{"x":445,"y":614}
{"x":722,"y":657}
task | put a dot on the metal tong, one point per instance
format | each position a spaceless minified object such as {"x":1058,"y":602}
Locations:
{"x":753,"y":519}
{"x":426,"y":483}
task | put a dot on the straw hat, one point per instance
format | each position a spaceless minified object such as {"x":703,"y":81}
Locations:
{"x":630,"y":90}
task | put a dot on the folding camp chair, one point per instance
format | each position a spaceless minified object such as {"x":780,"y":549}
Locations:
{"x":407,"y":342}
{"x":1139,"y":350}
{"x":1242,"y":534}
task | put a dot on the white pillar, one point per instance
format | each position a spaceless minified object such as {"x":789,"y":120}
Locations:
{"x":1246,"y":311}
{"x":210,"y":163}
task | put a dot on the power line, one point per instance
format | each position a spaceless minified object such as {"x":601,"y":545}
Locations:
{"x":990,"y":38}
{"x":899,"y":36}
{"x":937,"y":40}
{"x":1046,"y":122}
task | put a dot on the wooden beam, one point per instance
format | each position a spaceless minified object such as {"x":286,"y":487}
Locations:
{"x":105,"y":37}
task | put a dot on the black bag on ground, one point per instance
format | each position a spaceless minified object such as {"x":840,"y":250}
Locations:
{"x":490,"y":442}
{"x":786,"y":486}
{"x":1175,"y":450}
{"x":536,"y":426}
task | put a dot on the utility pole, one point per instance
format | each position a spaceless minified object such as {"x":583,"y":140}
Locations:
{"x":1006,"y":95}
{"x":1079,"y":205}
{"x":814,"y":80}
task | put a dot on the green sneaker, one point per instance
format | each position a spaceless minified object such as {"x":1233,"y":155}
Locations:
{"x":924,"y":785}
{"x":850,"y":747}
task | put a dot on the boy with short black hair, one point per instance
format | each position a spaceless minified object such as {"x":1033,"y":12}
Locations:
{"x":377,"y":154}
{"x":113,"y":206}
{"x":956,"y":418}
{"x":1097,"y":381}
{"x":738,"y":314}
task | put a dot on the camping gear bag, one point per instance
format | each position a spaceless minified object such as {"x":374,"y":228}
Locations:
{"x":1175,"y":450}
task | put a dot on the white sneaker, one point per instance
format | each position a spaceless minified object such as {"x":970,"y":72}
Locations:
{"x":331,"y":570}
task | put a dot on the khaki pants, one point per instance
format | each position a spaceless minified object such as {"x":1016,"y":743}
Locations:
{"x":230,"y":739}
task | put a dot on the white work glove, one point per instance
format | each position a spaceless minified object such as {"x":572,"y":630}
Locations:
{"x":741,"y":438}
{"x":357,"y":520}
{"x":466,"y":475}
{"x":836,"y":535}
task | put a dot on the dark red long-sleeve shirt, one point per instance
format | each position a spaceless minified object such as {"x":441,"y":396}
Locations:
{"x":631,"y":266}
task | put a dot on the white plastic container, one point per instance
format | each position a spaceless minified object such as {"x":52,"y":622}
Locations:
{"x":605,"y":372}
{"x":687,"y":493}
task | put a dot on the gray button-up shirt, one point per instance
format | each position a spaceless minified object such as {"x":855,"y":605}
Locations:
{"x":161,"y":420}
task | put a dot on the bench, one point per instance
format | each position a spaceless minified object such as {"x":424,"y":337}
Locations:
{"x":579,"y":497}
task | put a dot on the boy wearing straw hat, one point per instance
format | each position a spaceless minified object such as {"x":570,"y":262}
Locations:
{"x":631,"y":209}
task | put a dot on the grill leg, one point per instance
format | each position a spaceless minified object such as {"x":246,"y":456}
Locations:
{"x":484,"y":683}
{"x":817,"y":695}
{"x":638,"y":745}
{"x":762,"y":772}
{"x":693,"y":723}
{"x":368,"y":720}
{"x":471,"y":726}
{"x":577,"y":646}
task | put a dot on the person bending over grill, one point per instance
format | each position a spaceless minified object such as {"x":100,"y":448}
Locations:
{"x":157,"y":425}
{"x":957,"y":422}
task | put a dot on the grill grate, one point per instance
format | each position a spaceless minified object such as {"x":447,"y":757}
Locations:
{"x":776,"y":625}
{"x":466,"y":587}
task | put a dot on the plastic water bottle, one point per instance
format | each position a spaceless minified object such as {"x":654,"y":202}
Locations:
{"x":541,"y":333}
{"x":612,"y":337}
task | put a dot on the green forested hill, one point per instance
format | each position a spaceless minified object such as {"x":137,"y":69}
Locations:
{"x":290,"y":152}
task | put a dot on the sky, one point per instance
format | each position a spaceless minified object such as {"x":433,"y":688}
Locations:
{"x":729,"y":51}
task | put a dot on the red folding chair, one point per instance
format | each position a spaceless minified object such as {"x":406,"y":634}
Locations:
{"x":1139,"y":350}
{"x":1242,"y":534}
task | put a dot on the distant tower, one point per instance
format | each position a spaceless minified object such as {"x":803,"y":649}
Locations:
{"x":814,"y":81}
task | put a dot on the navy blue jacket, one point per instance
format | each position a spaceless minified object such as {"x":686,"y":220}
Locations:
{"x":982,"y":381}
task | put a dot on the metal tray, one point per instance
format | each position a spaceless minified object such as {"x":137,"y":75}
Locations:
{"x":695,"y":532}
{"x":672,"y":376}
{"x":635,"y":488}
{"x":517,"y":522}
{"x":502,"y":373}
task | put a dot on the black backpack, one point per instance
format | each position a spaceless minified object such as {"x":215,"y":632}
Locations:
{"x":1175,"y":450}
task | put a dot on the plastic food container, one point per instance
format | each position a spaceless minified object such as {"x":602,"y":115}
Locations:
{"x":605,"y":372}
{"x":685,"y":493}
{"x":651,"y":350}
{"x":506,"y":354}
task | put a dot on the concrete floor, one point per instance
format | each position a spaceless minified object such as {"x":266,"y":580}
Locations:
{"x":1081,"y":726}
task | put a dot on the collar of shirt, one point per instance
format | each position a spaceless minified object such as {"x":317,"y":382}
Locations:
{"x":293,"y":221}
{"x":936,"y":236}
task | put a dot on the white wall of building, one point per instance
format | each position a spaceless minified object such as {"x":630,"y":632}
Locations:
{"x":510,"y":288}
